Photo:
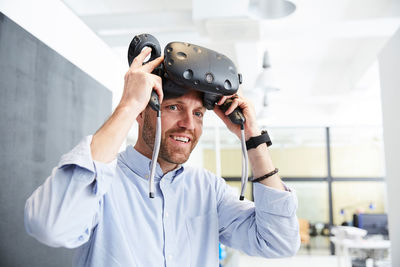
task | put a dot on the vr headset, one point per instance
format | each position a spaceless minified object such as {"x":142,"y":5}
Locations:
{"x":187,"y":66}
{"x":191,"y":67}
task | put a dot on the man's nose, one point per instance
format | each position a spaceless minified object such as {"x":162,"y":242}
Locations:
{"x":186,"y":121}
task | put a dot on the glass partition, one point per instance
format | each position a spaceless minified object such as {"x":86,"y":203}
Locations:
{"x":313,"y":201}
{"x":299,"y":152}
{"x":356,"y":174}
{"x":356,"y":197}
{"x":357,"y":152}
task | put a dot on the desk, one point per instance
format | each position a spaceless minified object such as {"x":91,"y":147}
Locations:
{"x":344,"y":247}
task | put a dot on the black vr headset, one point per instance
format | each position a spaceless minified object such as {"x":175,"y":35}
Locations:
{"x":188,"y":66}
{"x":191,"y":67}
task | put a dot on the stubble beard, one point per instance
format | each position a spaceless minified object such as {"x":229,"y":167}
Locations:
{"x":168,"y":153}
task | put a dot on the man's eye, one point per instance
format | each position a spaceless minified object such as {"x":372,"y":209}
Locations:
{"x":198,"y":114}
{"x":172,"y":107}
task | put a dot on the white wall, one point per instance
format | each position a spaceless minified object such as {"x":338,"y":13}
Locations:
{"x":389,"y":61}
{"x":58,"y":27}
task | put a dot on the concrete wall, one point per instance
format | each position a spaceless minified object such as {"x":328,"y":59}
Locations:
{"x":389,"y":62}
{"x":55,"y":24}
{"x":47,"y":105}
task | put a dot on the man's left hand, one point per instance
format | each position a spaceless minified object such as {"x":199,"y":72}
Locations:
{"x":250,"y":126}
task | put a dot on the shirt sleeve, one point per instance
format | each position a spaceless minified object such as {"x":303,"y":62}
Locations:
{"x":64,"y":210}
{"x":267,"y":227}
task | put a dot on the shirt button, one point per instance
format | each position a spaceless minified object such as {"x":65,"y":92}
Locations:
{"x":166,"y":214}
{"x":170,"y":257}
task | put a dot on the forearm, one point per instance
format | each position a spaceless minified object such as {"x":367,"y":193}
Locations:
{"x":109,"y":138}
{"x":259,"y":157}
{"x":261,"y":163}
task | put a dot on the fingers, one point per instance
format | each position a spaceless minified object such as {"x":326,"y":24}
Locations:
{"x":150,"y":66}
{"x":235,"y":104}
{"x":138,"y":61}
{"x":157,"y":86}
{"x":222,"y":100}
{"x":238,"y":100}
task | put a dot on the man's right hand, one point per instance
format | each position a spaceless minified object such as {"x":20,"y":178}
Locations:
{"x":139,"y":82}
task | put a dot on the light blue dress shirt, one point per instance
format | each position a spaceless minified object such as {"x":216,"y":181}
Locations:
{"x":105,"y":212}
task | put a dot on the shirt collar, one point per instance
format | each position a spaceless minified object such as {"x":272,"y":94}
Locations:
{"x":140,"y":165}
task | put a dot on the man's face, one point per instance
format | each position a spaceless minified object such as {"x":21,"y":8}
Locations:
{"x":182,"y":122}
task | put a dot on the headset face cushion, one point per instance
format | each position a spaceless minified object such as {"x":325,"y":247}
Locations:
{"x":172,"y":90}
{"x":209,"y":100}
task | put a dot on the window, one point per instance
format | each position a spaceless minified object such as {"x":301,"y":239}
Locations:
{"x":330,"y":186}
{"x":357,"y":152}
{"x":313,"y":200}
{"x":299,"y":152}
{"x":356,"y":197}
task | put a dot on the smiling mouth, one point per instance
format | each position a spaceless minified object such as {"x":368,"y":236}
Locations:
{"x":182,"y":139}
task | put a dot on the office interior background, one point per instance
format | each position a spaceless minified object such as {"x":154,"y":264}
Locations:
{"x":323,"y":77}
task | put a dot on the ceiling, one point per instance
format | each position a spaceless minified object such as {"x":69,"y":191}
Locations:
{"x":323,"y":56}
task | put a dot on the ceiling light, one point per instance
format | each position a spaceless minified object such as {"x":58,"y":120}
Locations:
{"x":271,"y":9}
{"x":266,"y":80}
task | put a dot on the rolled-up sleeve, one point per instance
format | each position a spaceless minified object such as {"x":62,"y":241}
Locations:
{"x":276,"y":219}
{"x":66,"y":207}
{"x":268,"y":227}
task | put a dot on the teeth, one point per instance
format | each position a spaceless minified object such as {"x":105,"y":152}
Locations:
{"x":181,"y":138}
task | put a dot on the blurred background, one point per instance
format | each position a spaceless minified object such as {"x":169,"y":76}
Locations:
{"x":323,"y":76}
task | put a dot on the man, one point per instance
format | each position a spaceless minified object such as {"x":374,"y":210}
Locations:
{"x":97,"y":201}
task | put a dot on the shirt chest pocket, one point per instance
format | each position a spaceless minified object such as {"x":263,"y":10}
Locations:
{"x":204,"y":239}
